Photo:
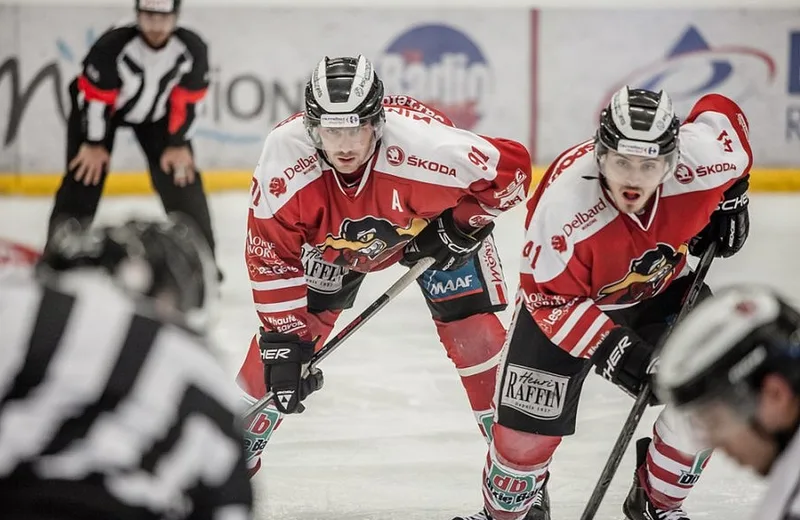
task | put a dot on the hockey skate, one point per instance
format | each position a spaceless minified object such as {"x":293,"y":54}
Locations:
{"x":540,"y":508}
{"x":637,"y":505}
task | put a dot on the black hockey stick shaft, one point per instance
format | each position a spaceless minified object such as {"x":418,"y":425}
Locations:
{"x":396,"y":288}
{"x":639,"y":406}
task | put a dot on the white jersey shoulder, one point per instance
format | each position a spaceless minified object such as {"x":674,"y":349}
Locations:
{"x":420,"y":148}
{"x":711,"y":155}
{"x":571,"y":209}
{"x":288,"y":163}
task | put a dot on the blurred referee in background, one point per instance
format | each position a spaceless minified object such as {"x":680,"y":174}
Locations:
{"x":149,"y":76}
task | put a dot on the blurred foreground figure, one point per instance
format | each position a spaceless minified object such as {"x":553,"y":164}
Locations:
{"x":732,"y":369}
{"x":111,"y":403}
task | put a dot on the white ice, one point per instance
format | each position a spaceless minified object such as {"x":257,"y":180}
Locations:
{"x":391,"y":436}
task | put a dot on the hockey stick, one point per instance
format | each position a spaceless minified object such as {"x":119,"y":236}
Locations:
{"x":404,"y":281}
{"x":635,"y":415}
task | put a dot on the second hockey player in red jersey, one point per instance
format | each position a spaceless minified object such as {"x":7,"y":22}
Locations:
{"x":603,"y":272}
{"x":354,"y":184}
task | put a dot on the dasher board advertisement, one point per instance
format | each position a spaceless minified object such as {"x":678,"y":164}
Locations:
{"x":473,"y":64}
{"x":752,"y":56}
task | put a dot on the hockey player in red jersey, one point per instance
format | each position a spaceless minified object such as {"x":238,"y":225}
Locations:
{"x":603,"y":271}
{"x":354,"y":184}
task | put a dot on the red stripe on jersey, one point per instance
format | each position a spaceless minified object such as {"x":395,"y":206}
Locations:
{"x":179,"y":99}
{"x":596,"y":339}
{"x":579,"y":329}
{"x":93,"y":93}
{"x":552,"y":320}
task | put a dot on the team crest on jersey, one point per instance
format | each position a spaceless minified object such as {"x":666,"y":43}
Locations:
{"x":648,"y":275}
{"x":362,"y":241}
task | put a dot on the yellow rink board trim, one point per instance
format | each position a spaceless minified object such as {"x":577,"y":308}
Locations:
{"x":138,"y":183}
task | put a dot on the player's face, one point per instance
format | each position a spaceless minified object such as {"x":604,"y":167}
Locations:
{"x":749,"y":436}
{"x":721,"y":426}
{"x":632,"y":180}
{"x":347,"y":148}
{"x":156,"y":27}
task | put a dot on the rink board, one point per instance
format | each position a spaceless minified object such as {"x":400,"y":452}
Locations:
{"x":135,"y":183}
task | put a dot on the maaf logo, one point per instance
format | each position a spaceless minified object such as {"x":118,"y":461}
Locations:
{"x":442,"y":67}
{"x":693,"y":68}
{"x":648,"y":275}
{"x":362,"y":241}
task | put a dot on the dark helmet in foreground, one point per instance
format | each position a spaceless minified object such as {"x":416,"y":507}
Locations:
{"x":162,"y":260}
{"x":721,"y":352}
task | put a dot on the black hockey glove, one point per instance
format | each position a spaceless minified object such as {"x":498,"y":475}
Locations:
{"x":284,"y":357}
{"x":442,"y":240}
{"x":624,"y":358}
{"x":729,"y":224}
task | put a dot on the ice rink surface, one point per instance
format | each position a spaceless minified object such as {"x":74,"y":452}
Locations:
{"x":391,"y":436}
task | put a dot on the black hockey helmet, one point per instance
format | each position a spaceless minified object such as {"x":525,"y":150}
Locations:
{"x":343,"y":92}
{"x":639,"y":122}
{"x":147,"y":258}
{"x":158,"y":6}
{"x":725,"y":347}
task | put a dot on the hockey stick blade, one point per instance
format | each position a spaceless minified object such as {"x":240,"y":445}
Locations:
{"x":396,"y":288}
{"x":640,"y":404}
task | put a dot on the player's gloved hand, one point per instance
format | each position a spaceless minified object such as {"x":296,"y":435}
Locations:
{"x":729,"y":224}
{"x":625,"y":359}
{"x":442,"y":240}
{"x":284,"y":357}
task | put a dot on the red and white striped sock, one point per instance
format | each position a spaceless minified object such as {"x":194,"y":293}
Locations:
{"x":673,"y":465}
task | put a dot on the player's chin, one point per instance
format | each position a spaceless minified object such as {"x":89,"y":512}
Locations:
{"x":156,"y":39}
{"x":764,"y":463}
{"x":757,"y":456}
{"x":346,"y":164}
{"x":630,"y":201}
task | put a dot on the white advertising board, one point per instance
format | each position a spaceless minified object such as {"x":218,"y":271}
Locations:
{"x":473,"y":64}
{"x":459,"y":4}
{"x":751,"y":56}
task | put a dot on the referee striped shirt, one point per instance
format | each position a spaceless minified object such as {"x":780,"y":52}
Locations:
{"x":107,"y":412}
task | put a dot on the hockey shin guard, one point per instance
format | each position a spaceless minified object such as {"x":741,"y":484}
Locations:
{"x":474,"y":344}
{"x":516,"y":467}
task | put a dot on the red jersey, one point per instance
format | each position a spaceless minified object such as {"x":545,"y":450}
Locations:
{"x":13,"y":254}
{"x":301,"y":211}
{"x":582,"y":256}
